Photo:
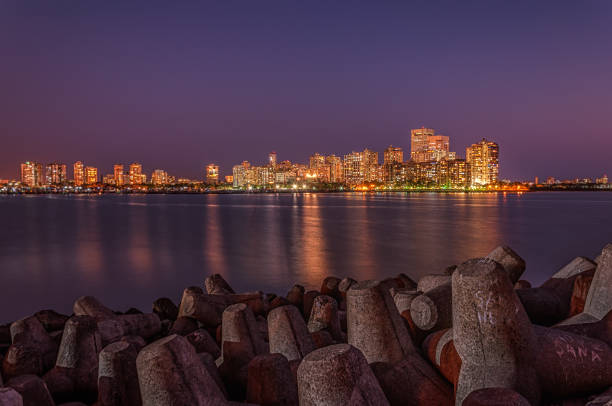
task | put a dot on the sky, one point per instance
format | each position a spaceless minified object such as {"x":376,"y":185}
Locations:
{"x":178,"y":85}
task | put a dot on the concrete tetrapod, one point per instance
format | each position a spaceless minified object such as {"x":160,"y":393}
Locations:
{"x":338,"y":375}
{"x":288,"y":333}
{"x":510,"y":261}
{"x":492,"y":333}
{"x":117,"y":375}
{"x":374,"y":325}
{"x":32,"y":389}
{"x":271,"y":382}
{"x":495,"y":397}
{"x":324,"y":316}
{"x":171,"y":373}
{"x":10,"y":397}
{"x":433,"y":310}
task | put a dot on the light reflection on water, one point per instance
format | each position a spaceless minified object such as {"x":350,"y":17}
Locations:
{"x":129,"y":250}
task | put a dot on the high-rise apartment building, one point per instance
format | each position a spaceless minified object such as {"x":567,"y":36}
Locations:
{"x":360,"y":167}
{"x":336,"y":170}
{"x":212,"y":174}
{"x":119,"y":175}
{"x":32,"y":174}
{"x":426,"y":146}
{"x":55,"y":174}
{"x":91,"y":175}
{"x":241,"y":174}
{"x":136,"y":176}
{"x":483,"y":160}
{"x":393,"y":155}
{"x":78,"y":173}
{"x":272,"y":159}
{"x":159,"y":177}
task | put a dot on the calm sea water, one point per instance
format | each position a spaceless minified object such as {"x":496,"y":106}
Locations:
{"x":127,"y":250}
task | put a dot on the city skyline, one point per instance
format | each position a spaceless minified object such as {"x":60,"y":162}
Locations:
{"x":176,"y":84}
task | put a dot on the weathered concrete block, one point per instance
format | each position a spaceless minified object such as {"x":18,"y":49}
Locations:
{"x":90,"y":306}
{"x":374,"y":325}
{"x":407,"y":282}
{"x":202,"y":341}
{"x":270,"y":381}
{"x":117,"y":375}
{"x":510,"y":261}
{"x":144,"y":325}
{"x":403,"y":300}
{"x":288,"y":333}
{"x":211,"y":366}
{"x":32,"y":389}
{"x":492,"y":333}
{"x":577,"y":266}
{"x":75,"y":375}
{"x":330,"y":287}
{"x":171,"y":373}
{"x":600,"y":330}
{"x":31,"y":332}
{"x":10,"y":397}
{"x":296,"y":296}
{"x":603,"y":399}
{"x":51,"y":320}
{"x":207,"y":309}
{"x":183,"y":326}
{"x":309,"y":298}
{"x":324,"y":316}
{"x":522,"y":284}
{"x":428,"y":282}
{"x":433,"y":310}
{"x":322,"y":338}
{"x":580,"y":291}
{"x":165,"y":309}
{"x":544,"y":306}
{"x":413,"y":382}
{"x":22,"y":359}
{"x":215,"y":285}
{"x":338,"y":375}
{"x":440,"y":350}
{"x":495,"y":397}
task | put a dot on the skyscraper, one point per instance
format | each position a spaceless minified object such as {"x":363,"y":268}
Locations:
{"x":91,"y":175}
{"x":119,"y":175}
{"x":55,"y":174}
{"x":360,"y":167}
{"x":31,"y":174}
{"x":483,"y":160}
{"x":393,"y":155}
{"x":78,"y":173}
{"x":159,"y":177}
{"x":426,"y":146}
{"x":136,"y":177}
{"x":272,"y":159}
{"x":336,"y":172}
{"x":212,"y":174}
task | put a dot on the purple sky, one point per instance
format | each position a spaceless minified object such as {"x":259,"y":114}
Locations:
{"x":176,"y":85}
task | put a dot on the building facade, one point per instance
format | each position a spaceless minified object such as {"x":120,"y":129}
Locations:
{"x":55,"y":174}
{"x":212,"y":174}
{"x":79,"y":173}
{"x":32,"y":174}
{"x":483,"y":159}
{"x":91,"y":175}
{"x":119,"y":175}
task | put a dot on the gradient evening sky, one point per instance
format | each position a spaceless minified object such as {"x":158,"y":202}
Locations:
{"x":176,"y":85}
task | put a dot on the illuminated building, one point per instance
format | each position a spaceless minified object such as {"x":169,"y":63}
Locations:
{"x":212,"y":174}
{"x":31,"y":174}
{"x":91,"y":175}
{"x":393,"y":155}
{"x":240,"y":174}
{"x":136,"y":176}
{"x":229,"y":178}
{"x":602,"y":181}
{"x":79,"y":173}
{"x":426,"y":146}
{"x":119,"y":175}
{"x":317,"y":160}
{"x":320,"y":170}
{"x":55,"y":174}
{"x":336,"y":170}
{"x":109,"y":179}
{"x":159,"y":177}
{"x":483,"y":159}
{"x":272,"y":159}
{"x":360,"y":167}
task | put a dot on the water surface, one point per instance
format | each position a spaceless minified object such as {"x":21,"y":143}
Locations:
{"x":127,"y":250}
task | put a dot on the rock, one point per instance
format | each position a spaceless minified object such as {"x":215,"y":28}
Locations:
{"x":522,"y":284}
{"x":211,"y":367}
{"x":51,"y":320}
{"x":10,"y":397}
{"x":165,"y":309}
{"x":183,"y":326}
{"x":374,"y":325}
{"x":412,"y":381}
{"x":441,"y":352}
{"x":407,"y":282}
{"x":428,"y":282}
{"x":344,"y":285}
{"x":433,"y":310}
{"x":321,"y":339}
{"x":270,"y":381}
{"x":495,"y":397}
{"x":309,"y":298}
{"x":117,"y":375}
{"x":580,"y":291}
{"x":296,"y":296}
{"x":22,"y":359}
{"x":288,"y":333}
{"x":75,"y":375}
{"x":510,"y":261}
{"x":603,"y":399}
{"x":241,"y":343}
{"x":90,"y":306}
{"x":330,"y":287}
{"x":403,"y":300}
{"x":32,"y":389}
{"x":492,"y":333}
{"x":216,"y":285}
{"x":171,"y":373}
{"x":324,"y":316}
{"x":338,"y":375}
{"x":203,"y":342}
{"x":601,"y":330}
{"x":577,"y":266}
{"x":599,"y":299}
{"x":207,"y":309}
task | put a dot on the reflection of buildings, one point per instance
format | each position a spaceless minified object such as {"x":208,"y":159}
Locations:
{"x":31,"y":174}
{"x":483,"y":159}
